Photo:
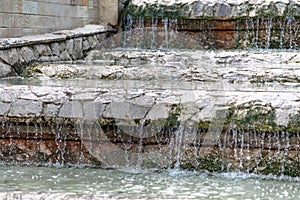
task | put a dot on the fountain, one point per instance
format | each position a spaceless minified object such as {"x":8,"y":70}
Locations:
{"x":203,"y":86}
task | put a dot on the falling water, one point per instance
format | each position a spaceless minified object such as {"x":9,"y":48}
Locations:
{"x":259,"y":32}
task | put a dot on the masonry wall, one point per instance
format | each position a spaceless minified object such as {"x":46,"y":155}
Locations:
{"x":27,"y":17}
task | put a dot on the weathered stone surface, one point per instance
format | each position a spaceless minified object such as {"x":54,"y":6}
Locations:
{"x":6,"y":70}
{"x":225,"y":105}
{"x":77,"y":49}
{"x":85,"y":45}
{"x":51,"y":110}
{"x":71,"y":109}
{"x":92,"y":41}
{"x":64,"y":56}
{"x":13,"y":57}
{"x":4,"y":108}
{"x":210,"y":8}
{"x":58,"y":46}
{"x":27,"y":54}
{"x":25,"y":108}
{"x":93,"y":110}
{"x":70,"y":46}
{"x":189,"y":66}
{"x":55,"y":47}
{"x":124,"y":110}
{"x":42,"y":50}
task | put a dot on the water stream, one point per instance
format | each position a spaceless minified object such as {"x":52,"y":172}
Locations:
{"x":88,"y":183}
{"x":189,"y":74}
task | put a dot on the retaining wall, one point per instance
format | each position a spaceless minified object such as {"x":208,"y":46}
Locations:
{"x":58,"y":46}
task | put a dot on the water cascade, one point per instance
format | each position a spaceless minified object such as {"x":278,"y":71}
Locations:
{"x":153,"y":96}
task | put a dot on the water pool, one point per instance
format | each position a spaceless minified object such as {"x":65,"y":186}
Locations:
{"x":19,"y":182}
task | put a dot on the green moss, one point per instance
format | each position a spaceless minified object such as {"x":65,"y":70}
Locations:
{"x":254,"y":115}
{"x":294,"y":123}
{"x":289,"y":167}
{"x":29,"y":71}
{"x":173,"y":120}
{"x":203,"y":125}
{"x":209,"y":162}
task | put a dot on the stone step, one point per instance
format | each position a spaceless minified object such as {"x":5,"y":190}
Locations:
{"x":212,"y":123}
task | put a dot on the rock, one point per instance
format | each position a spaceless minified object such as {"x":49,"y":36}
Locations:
{"x":25,"y":108}
{"x":55,"y":48}
{"x":92,"y":41}
{"x":77,"y":49}
{"x":4,"y":108}
{"x":125,"y":110}
{"x":93,"y":110}
{"x":13,"y":56}
{"x":70,"y":46}
{"x":85,"y":45}
{"x":223,"y":10}
{"x":4,"y":56}
{"x":6,"y":70}
{"x":27,"y":54}
{"x":64,"y":56}
{"x":51,"y":110}
{"x":71,"y":109}
{"x":41,"y":50}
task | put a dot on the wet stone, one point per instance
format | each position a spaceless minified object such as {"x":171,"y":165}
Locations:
{"x":55,"y":48}
{"x":4,"y":108}
{"x":77,"y":49}
{"x":13,"y":56}
{"x":25,"y":108}
{"x":72,"y":109}
{"x":27,"y":54}
{"x":125,"y":110}
{"x":5,"y":70}
{"x":51,"y":110}
{"x":93,"y":110}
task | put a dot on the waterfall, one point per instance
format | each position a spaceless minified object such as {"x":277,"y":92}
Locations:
{"x":256,"y":33}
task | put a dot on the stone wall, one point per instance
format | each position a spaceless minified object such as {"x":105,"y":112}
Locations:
{"x":71,"y":45}
{"x":220,"y":24}
{"x":227,"y":9}
{"x":27,"y":17}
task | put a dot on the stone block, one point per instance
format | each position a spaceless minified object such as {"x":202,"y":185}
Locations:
{"x":64,"y":56}
{"x":7,"y":96}
{"x":158,"y":111}
{"x":4,"y":108}
{"x":72,"y":109}
{"x":55,"y":47}
{"x":27,"y":54}
{"x":69,"y":46}
{"x":29,"y":7}
{"x":13,"y":56}
{"x":92,"y":41}
{"x":223,"y":10}
{"x":4,"y":56}
{"x":40,"y":50}
{"x":125,"y":110}
{"x":85,"y":45}
{"x":51,"y":110}
{"x":77,"y":49}
{"x":6,"y":70}
{"x":25,"y":108}
{"x":93,"y":110}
